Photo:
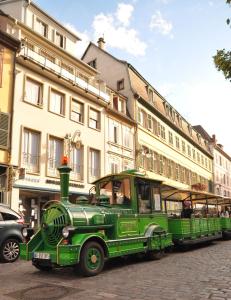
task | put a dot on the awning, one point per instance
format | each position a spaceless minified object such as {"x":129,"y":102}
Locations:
{"x":170,"y":193}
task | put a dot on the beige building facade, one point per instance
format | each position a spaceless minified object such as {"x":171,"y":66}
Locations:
{"x":60,"y":108}
{"x":8,"y":49}
{"x":167,"y":146}
{"x":221,"y":165}
{"x":119,"y":136}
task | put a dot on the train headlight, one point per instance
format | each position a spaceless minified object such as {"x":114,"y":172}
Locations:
{"x":65,"y":232}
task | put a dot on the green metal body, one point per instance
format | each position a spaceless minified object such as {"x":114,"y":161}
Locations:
{"x":225,"y":225}
{"x":194,"y":229}
{"x":119,"y":229}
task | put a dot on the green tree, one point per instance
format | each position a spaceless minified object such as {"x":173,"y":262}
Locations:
{"x":222,"y":59}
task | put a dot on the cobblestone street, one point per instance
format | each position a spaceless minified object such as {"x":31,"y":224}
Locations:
{"x":201,"y":273}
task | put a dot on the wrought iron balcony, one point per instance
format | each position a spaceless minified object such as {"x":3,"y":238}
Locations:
{"x":51,"y":62}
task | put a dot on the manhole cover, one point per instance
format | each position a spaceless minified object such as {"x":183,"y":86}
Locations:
{"x":44,"y":292}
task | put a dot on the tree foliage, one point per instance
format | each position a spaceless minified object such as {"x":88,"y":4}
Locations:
{"x":222,"y":59}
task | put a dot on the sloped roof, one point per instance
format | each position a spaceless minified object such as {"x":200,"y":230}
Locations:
{"x":140,"y":88}
{"x":203,"y":132}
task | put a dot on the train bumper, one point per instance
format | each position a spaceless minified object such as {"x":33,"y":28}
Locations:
{"x":61,"y":255}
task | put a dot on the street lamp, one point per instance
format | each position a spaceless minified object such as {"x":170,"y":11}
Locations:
{"x":71,"y":142}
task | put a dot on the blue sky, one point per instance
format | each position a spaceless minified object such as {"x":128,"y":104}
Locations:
{"x":170,"y":42}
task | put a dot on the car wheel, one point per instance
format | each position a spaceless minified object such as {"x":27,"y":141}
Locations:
{"x":9,"y":251}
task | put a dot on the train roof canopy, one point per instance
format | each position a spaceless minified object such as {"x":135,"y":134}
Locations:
{"x":175,"y":194}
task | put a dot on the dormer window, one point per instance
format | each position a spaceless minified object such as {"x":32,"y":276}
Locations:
{"x":59,"y":40}
{"x":92,"y":63}
{"x":150,"y":96}
{"x":190,"y":129}
{"x":179,"y":120}
{"x":120,"y":84}
{"x":42,"y":28}
{"x":166,"y":109}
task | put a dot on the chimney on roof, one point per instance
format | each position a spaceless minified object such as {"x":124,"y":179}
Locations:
{"x":101,"y":43}
{"x":214,"y":139}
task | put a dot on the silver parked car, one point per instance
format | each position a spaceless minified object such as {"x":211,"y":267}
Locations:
{"x":11,"y":225}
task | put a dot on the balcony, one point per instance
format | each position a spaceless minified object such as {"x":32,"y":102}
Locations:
{"x":61,"y":68}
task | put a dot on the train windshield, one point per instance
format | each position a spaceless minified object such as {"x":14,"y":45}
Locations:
{"x":118,"y":191}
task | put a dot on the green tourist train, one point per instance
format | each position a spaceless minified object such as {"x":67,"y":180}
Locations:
{"x":128,"y":213}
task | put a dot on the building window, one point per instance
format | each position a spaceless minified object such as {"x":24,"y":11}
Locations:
{"x":220,"y":160}
{"x":113,"y":131}
{"x":57,"y":102}
{"x":77,"y":111}
{"x":33,"y":92}
{"x":94,"y":119}
{"x":120,"y":84}
{"x":114,"y":165}
{"x":170,"y":138}
{"x":119,"y":104}
{"x":183,"y":146}
{"x":76,"y":163}
{"x":149,"y":122}
{"x":42,"y":28}
{"x":127,"y":137}
{"x":55,"y":152}
{"x":177,"y":140}
{"x":198,"y":157}
{"x":194,"y":154}
{"x":189,"y":150}
{"x":162,"y":132}
{"x":94,"y":163}
{"x":92,"y":63}
{"x":59,"y":40}
{"x":142,"y":117}
{"x":4,"y":130}
{"x":31,"y":151}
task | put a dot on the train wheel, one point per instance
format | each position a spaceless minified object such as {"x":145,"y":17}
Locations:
{"x":155,"y":254}
{"x":91,"y":259}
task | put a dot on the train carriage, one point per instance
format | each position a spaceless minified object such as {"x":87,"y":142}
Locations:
{"x":203,"y":225}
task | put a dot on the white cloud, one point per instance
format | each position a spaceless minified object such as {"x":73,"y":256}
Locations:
{"x":160,"y":24}
{"x":117,"y":34}
{"x":84,"y":36}
{"x":124,"y":13}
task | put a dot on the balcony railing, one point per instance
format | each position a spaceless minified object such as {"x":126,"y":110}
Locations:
{"x":53,"y":63}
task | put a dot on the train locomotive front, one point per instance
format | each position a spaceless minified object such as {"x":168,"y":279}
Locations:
{"x":69,"y":235}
